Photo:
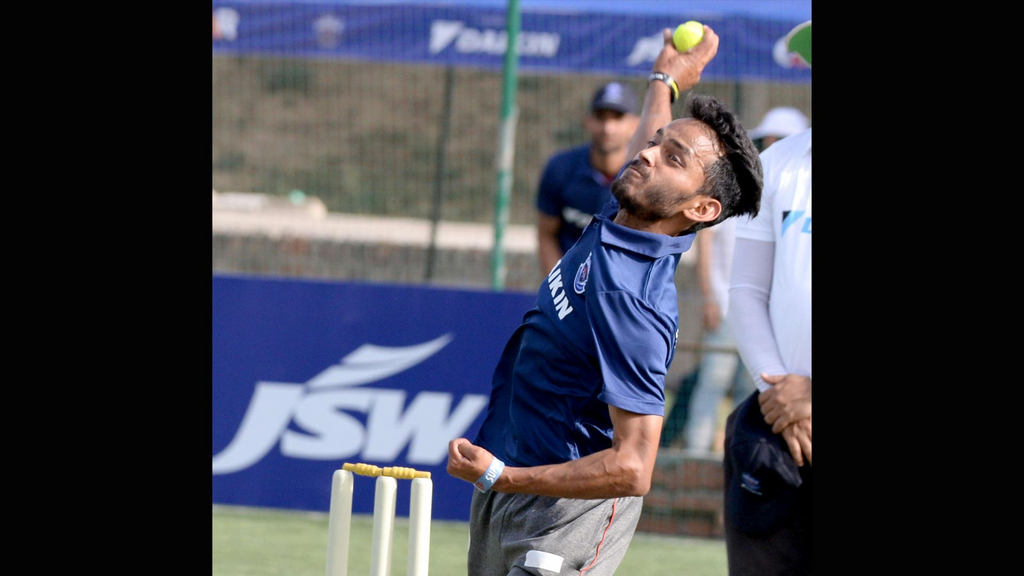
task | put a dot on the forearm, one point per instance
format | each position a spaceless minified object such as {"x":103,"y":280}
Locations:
{"x":549,"y":249}
{"x":657,"y":112}
{"x":624,"y":469}
{"x":704,"y":263}
{"x":685,"y":69}
{"x":549,"y":252}
{"x":610,"y":473}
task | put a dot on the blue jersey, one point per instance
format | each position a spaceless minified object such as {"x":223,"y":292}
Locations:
{"x":574,"y":191}
{"x":603,"y":331}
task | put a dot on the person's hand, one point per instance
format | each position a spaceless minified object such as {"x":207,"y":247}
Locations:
{"x":798,"y":437}
{"x":788,"y":400}
{"x":712,"y":315}
{"x":686,"y":67}
{"x":466,"y":461}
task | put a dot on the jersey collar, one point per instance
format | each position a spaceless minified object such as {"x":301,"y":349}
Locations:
{"x":644,"y":243}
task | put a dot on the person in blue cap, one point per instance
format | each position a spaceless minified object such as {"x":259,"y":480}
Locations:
{"x":768,"y":520}
{"x":567,"y":447}
{"x":576,"y":183}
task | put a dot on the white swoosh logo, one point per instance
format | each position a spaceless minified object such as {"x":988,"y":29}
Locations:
{"x":370,"y":363}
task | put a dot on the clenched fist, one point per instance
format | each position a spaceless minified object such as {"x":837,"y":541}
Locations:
{"x":686,"y":67}
{"x":466,"y":461}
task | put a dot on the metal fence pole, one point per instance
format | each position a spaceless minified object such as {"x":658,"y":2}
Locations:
{"x":439,"y":173}
{"x":506,"y":144}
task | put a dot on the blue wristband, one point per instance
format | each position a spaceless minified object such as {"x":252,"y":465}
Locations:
{"x":490,"y":476}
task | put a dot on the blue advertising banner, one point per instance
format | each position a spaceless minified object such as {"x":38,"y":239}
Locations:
{"x":308,"y":375}
{"x":468,"y":34}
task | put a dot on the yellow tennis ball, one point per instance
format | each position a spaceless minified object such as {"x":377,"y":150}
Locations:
{"x":688,"y":35}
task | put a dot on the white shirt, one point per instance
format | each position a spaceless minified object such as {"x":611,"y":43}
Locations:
{"x":783,"y":298}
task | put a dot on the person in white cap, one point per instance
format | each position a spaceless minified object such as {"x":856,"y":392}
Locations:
{"x":777,"y":124}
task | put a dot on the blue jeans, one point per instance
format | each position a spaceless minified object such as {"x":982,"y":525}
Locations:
{"x":720,"y":373}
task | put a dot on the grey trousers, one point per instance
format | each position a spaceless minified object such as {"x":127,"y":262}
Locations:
{"x":518,"y":534}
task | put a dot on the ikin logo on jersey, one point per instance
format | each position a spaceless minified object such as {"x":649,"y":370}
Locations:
{"x":558,"y":297}
{"x":582,"y":275}
{"x":314,"y":420}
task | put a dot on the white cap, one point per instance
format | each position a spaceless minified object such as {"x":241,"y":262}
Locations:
{"x":780,"y":122}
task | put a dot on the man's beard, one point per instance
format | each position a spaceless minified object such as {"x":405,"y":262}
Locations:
{"x":643,"y":200}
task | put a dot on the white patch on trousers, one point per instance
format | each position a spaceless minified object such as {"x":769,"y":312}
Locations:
{"x":544,"y":561}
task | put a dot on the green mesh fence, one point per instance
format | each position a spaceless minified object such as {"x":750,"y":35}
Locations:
{"x":367,"y":168}
{"x":365,"y":138}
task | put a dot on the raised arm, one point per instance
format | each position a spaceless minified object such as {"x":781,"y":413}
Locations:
{"x":712,"y":307}
{"x":685,"y":68}
{"x":549,"y":251}
{"x":625,"y":469}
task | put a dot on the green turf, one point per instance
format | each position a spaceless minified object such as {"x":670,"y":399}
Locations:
{"x":265,"y":542}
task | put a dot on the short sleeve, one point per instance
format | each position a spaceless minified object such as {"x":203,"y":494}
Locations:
{"x":549,"y":192}
{"x":634,"y":345}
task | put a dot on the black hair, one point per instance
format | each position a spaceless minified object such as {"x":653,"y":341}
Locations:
{"x":734,"y":179}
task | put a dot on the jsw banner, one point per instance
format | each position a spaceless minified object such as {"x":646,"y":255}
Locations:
{"x":309,"y":375}
{"x":464,"y":35}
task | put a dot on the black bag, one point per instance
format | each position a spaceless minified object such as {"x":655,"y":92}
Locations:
{"x":761,"y":476}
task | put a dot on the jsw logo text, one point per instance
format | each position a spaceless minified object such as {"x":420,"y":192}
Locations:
{"x":324,"y":406}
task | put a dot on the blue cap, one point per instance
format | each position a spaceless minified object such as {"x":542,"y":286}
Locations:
{"x":614,"y":96}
